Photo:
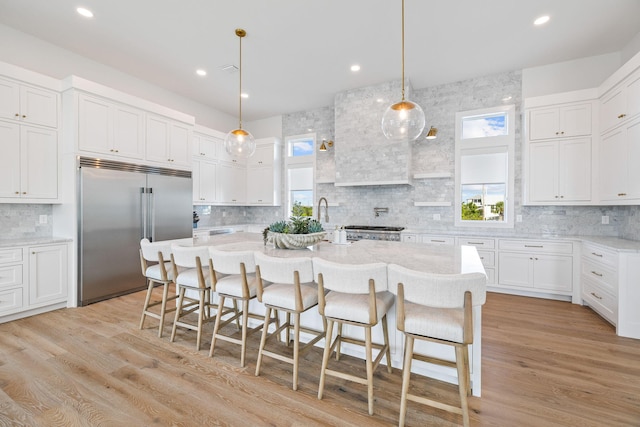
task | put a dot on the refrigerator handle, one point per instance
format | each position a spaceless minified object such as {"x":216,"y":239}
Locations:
{"x":143,"y":215}
{"x":152,"y":215}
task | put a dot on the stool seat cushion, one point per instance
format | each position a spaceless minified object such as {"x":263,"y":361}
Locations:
{"x":355,"y":307}
{"x":153,"y":271}
{"x":189,"y":278}
{"x":441,"y":323}
{"x":282,"y":295}
{"x":231,"y":285}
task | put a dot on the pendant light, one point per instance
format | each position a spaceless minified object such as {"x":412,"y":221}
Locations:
{"x":403,"y":120}
{"x":239,"y":142}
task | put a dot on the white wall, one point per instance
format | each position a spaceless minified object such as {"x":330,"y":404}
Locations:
{"x":35,"y":54}
{"x":584,"y":73}
{"x":265,"y":128}
{"x":631,"y":48}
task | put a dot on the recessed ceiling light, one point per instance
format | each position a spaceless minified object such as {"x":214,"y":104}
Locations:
{"x":380,"y":100}
{"x":84,"y":12}
{"x":244,"y":95}
{"x":355,"y":68}
{"x":541,"y":20}
{"x":201,"y":72}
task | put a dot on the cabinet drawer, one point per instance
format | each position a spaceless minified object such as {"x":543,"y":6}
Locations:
{"x":606,"y":277}
{"x":599,"y":254}
{"x":488,"y":258}
{"x":10,"y":256}
{"x":10,"y":275}
{"x":10,"y":300}
{"x":534,"y":246}
{"x":438,"y":240}
{"x":477,"y":242}
{"x":491,"y":276}
{"x":601,"y":301}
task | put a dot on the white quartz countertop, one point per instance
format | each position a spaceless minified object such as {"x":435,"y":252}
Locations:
{"x":5,"y":243}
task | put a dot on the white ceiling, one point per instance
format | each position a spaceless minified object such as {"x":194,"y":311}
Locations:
{"x":297,"y":53}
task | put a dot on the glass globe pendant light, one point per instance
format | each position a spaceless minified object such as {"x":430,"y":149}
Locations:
{"x":404,"y":120}
{"x":239,"y":142}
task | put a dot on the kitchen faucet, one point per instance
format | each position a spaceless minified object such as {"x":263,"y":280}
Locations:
{"x":326,"y":209}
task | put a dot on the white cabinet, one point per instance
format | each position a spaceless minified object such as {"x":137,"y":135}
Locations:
{"x":231,"y":182}
{"x":12,"y":278}
{"x":168,"y":141}
{"x":204,"y":181}
{"x":29,"y":163}
{"x":559,"y":171}
{"x":619,"y":155}
{"x":106,"y":127}
{"x":264,"y":174}
{"x":486,"y":251}
{"x":538,"y":266}
{"x":28,"y":104}
{"x":205,"y":146}
{"x":560,"y":121}
{"x":621,"y":103}
{"x":48,"y":278}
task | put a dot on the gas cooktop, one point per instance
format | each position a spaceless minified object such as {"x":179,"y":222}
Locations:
{"x":372,"y":228}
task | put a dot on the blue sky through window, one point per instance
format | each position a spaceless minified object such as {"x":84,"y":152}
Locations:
{"x":303,"y":147}
{"x":485,"y":126}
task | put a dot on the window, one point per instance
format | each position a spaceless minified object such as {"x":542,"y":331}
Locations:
{"x":485,"y":167}
{"x":299,"y":174}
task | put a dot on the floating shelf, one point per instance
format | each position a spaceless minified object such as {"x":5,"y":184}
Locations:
{"x":433,"y":204}
{"x":431,"y":175}
{"x":325,"y":181}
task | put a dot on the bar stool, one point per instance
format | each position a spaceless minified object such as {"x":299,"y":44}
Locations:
{"x":192,"y":271}
{"x":437,"y":308}
{"x":292,"y":291}
{"x":233,"y":277}
{"x":357,"y":296}
{"x":158,"y":272}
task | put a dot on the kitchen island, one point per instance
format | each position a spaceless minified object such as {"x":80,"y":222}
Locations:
{"x":419,"y":257}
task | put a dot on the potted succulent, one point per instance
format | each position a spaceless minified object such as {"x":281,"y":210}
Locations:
{"x":297,"y":233}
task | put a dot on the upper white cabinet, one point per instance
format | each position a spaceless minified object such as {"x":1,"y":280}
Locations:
{"x":106,"y":127}
{"x":29,"y":163}
{"x":28,"y":104}
{"x":168,"y":141}
{"x":204,"y":174}
{"x":621,"y":103}
{"x":205,"y":146}
{"x":264,"y":173}
{"x":560,"y":121}
{"x":619,"y":155}
{"x":231,"y":179}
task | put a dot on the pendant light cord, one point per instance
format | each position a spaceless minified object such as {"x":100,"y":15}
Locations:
{"x":402,"y":82}
{"x":240,"y":93}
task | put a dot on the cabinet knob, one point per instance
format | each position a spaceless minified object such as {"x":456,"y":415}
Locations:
{"x":24,"y":192}
{"x":17,"y":114}
{"x":24,"y":116}
{"x":556,"y":197}
{"x":557,"y":133}
{"x":17,"y":192}
{"x":622,"y":116}
{"x":622,"y":194}
{"x":562,"y":133}
{"x":562,"y":197}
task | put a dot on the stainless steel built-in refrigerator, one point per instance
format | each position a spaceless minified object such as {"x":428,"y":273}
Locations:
{"x":119,"y":204}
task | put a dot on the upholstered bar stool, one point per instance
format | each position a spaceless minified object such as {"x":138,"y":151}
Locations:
{"x":156,"y":267}
{"x":292,"y":291}
{"x":192,"y":271}
{"x":357,"y":296}
{"x":233,"y":277}
{"x":437,"y":308}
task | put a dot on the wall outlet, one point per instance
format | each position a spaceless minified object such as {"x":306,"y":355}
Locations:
{"x":518,"y":218}
{"x":605,"y":219}
{"x":244,"y":213}
{"x":436,"y":217}
{"x":43,"y":219}
{"x":224,"y":213}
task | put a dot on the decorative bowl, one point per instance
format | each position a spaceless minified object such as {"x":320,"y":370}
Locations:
{"x":294,"y":241}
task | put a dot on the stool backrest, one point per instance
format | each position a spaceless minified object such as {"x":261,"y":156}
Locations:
{"x":438,"y":290}
{"x":350,"y":278}
{"x":280,"y":270}
{"x":185,"y":256}
{"x":228,"y":262}
{"x":150,"y":250}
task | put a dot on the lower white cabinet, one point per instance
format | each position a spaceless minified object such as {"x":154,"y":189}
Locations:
{"x":33,"y":279}
{"x":486,"y":251}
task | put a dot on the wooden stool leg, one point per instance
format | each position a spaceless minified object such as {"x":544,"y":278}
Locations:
{"x":339,"y":338}
{"x":216,"y":325}
{"x":385,"y":330}
{"x":296,"y":348}
{"x":245,"y":320}
{"x":406,"y":376}
{"x":263,"y":340}
{"x":369,"y":361}
{"x":325,"y":357}
{"x":201,"y":297}
{"x":463,"y":382}
{"x":163,"y":308}
{"x":178,"y":312}
{"x":147,"y":300}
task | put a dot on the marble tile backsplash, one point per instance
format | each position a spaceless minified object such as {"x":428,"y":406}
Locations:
{"x":19,"y":221}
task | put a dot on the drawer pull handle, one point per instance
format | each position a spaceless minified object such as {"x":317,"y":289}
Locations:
{"x":596,"y":274}
{"x":438,"y":241}
{"x":596,"y":254}
{"x":533,"y":246}
{"x":475,"y":243}
{"x":595,"y":295}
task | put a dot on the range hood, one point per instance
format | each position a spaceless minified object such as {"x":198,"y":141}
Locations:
{"x":363,"y":155}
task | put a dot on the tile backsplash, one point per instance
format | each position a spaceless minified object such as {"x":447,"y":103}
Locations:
{"x":19,"y":221}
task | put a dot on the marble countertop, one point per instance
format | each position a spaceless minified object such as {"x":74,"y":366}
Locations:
{"x":5,"y":243}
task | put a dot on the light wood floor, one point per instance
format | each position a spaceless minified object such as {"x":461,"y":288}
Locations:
{"x":545,"y":363}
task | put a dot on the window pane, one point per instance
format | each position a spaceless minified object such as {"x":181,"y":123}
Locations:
{"x":485,"y":126}
{"x":302,"y":203}
{"x":301,"y":147}
{"x":483,"y":202}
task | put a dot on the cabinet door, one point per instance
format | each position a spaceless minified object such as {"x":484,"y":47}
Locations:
{"x":575,"y":120}
{"x":574,"y":169}
{"x":260,"y":186}
{"x":204,"y":181}
{"x":128,"y":132}
{"x":543,"y":172}
{"x":94,"y":125}
{"x":633,"y":156}
{"x":9,"y":100}
{"x":205,"y":146}
{"x":39,"y":106}
{"x":10,"y":159}
{"x":39,"y":163}
{"x":224,"y":183}
{"x":262,"y":157}
{"x":613,"y":165}
{"x":157,"y":139}
{"x":515,"y":269}
{"x":179,"y":145}
{"x":633,"y":95}
{"x":48,"y":280}
{"x":553,"y":272}
{"x":612,"y":107}
{"x":544,"y":124}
